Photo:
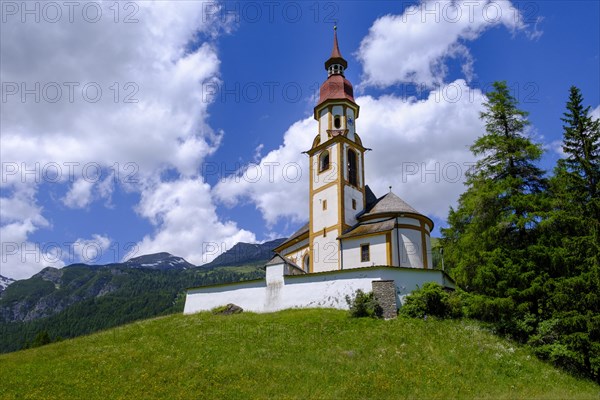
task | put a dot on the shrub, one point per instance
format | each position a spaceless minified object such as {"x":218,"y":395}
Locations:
{"x":432,"y":300}
{"x":364,"y":305}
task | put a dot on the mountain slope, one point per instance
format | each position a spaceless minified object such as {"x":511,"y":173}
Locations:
{"x":290,"y":354}
{"x":52,"y":290}
{"x":159,"y":261}
{"x":245,"y":253}
{"x":80,"y":299}
{"x":4,"y":282}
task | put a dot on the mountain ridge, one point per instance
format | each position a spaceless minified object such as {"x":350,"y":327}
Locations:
{"x":5,"y":282}
{"x":245,"y":253}
{"x":81,"y":298}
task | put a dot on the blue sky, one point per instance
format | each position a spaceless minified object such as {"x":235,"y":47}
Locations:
{"x":223,"y":91}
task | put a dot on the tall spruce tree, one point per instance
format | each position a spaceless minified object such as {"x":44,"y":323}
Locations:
{"x":489,"y":232}
{"x":581,"y":145}
{"x":575,"y":189}
{"x":528,"y":250}
{"x":570,"y":334}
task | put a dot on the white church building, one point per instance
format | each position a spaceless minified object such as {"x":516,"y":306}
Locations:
{"x":353,"y":239}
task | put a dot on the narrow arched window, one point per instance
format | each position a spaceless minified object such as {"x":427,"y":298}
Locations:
{"x":306,"y":263}
{"x":337,"y":122}
{"x":352,"y":168}
{"x":324,"y":161}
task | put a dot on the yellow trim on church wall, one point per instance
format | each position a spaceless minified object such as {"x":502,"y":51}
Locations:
{"x":424,"y":245}
{"x":341,"y":199}
{"x":419,"y":217}
{"x":324,"y":187}
{"x":310,"y":215}
{"x":406,"y":226}
{"x":380,"y":233}
{"x":282,"y":247}
{"x":319,"y":232}
{"x":388,"y":247}
{"x":341,"y":102}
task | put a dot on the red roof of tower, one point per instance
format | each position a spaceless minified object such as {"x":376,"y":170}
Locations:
{"x":336,"y":87}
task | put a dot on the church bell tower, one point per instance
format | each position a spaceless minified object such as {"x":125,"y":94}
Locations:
{"x":337,"y":181}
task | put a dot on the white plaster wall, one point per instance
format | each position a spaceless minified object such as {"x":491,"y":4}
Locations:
{"x":274,"y":274}
{"x":351,"y":250}
{"x":323,"y":125}
{"x":294,"y":249}
{"x":350,"y":213}
{"x":409,"y":221}
{"x":308,"y":291}
{"x":297,"y":256}
{"x":248,"y":295}
{"x":411,"y":250}
{"x":325,"y":252}
{"x":325,"y":218}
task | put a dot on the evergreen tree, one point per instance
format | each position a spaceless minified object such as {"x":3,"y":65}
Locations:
{"x":489,"y":233}
{"x":582,"y":149}
{"x":575,"y":190}
{"x":42,"y":338}
{"x":570,"y":334}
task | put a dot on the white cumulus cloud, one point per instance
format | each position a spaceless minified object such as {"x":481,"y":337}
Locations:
{"x":185,"y":217}
{"x":414,"y":46}
{"x":419,"y":147}
{"x":277,"y":183}
{"x":92,"y":105}
{"x":89,"y":251}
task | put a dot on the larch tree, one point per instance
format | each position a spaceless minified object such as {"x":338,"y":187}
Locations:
{"x":495,"y":221}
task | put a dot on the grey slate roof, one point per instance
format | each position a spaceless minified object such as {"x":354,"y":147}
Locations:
{"x":298,"y":233}
{"x":390,"y":203}
{"x":371,"y":199}
{"x":366,"y":228}
{"x":385,"y":205}
{"x":279,"y":259}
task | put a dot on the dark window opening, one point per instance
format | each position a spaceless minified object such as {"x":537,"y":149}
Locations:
{"x":337,"y":123}
{"x":352,"y":168}
{"x":324,"y":161}
{"x":364,"y":253}
{"x":353,"y":204}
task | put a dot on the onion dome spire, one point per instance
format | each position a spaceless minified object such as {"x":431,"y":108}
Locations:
{"x":336,"y":87}
{"x":336,"y":63}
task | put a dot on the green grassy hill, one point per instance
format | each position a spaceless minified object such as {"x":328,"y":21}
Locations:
{"x":85,"y":299}
{"x":291,"y":354}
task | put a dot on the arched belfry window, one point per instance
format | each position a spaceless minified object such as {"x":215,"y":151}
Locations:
{"x":324,"y":161}
{"x":352,"y":168}
{"x":337,"y":122}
